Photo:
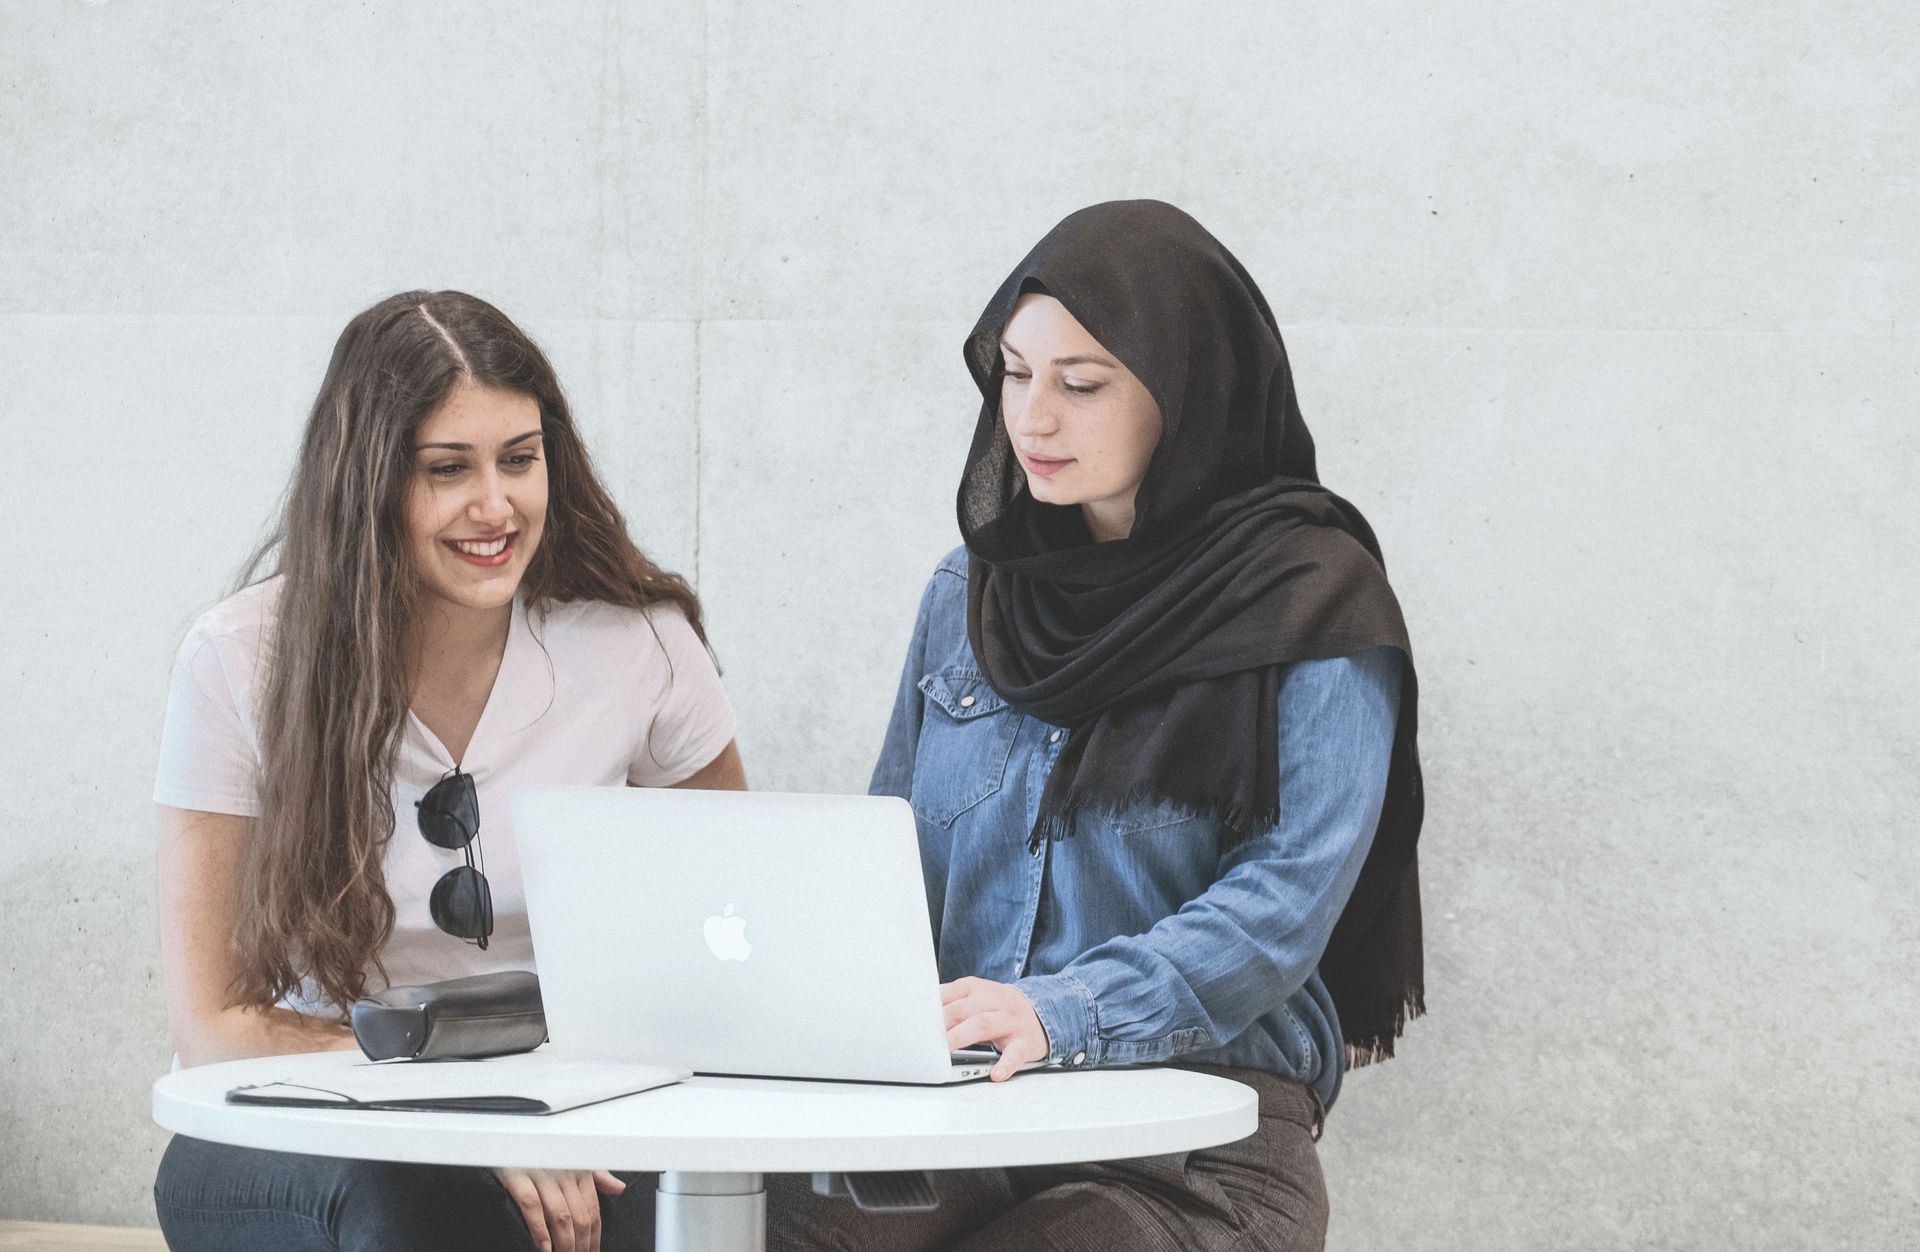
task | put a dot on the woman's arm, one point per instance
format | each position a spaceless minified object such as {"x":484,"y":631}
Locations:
{"x":1238,"y":951}
{"x":722,"y":773}
{"x":199,"y":856}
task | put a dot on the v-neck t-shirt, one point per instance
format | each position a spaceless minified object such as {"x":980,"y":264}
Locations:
{"x":587,"y":694}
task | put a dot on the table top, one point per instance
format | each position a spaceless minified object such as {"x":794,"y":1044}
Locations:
{"x":757,"y":1125}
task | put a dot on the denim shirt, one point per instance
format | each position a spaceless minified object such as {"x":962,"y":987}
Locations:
{"x":1137,"y":940}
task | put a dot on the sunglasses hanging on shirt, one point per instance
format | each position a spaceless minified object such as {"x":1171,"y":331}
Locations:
{"x":461,"y":903}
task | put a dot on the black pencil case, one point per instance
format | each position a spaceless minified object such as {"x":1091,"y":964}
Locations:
{"x":460,"y":1019}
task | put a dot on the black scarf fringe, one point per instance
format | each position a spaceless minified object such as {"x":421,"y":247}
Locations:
{"x":1378,"y":1046}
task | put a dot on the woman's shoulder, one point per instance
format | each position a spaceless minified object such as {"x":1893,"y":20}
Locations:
{"x":955,"y":563}
{"x":597,"y":627}
{"x":598,"y":617}
{"x":942,"y":624}
{"x":947,"y":584}
{"x":238,"y":623}
{"x":219,"y":670}
{"x":647,"y":670}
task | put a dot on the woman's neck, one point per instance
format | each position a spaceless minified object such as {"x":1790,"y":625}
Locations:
{"x":457,"y":655}
{"x":450,"y":638}
{"x":1108,"y":520}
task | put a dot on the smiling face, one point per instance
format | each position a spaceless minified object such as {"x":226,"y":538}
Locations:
{"x":478,"y":500}
{"x":1082,"y":425}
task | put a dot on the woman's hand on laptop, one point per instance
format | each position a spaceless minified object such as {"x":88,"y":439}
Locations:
{"x":560,"y":1206}
{"x":979,"y":1010}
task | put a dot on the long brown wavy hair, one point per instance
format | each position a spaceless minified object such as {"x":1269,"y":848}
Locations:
{"x":314,"y":903}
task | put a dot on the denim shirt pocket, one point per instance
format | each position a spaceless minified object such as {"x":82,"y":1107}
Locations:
{"x":966,"y":738}
{"x":1163,"y":849}
{"x":1161,"y":818}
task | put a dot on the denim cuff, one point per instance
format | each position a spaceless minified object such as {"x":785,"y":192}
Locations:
{"x":1066,"y":1010}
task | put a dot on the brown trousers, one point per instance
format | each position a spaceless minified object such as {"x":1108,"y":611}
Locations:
{"x":1264,"y":1192}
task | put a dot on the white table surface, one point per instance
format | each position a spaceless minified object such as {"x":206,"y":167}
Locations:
{"x":744,"y":1124}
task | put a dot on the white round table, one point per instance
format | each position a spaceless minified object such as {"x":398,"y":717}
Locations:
{"x":712,"y":1139}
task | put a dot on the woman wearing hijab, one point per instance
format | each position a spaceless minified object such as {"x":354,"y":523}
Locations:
{"x":1157,"y":728}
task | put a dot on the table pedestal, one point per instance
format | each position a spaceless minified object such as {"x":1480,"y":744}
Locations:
{"x":703,"y":1212}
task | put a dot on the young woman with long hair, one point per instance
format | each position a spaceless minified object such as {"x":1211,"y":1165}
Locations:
{"x":454,"y":607}
{"x":1157,"y":727}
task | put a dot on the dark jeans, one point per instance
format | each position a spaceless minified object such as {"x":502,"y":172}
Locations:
{"x":216,"y":1198}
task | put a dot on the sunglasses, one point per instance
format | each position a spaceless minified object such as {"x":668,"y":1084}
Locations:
{"x":461,"y":903}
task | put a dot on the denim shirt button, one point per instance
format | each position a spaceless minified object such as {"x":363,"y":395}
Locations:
{"x":966,"y":702}
{"x":1079,"y":1058}
{"x":1054,"y":737}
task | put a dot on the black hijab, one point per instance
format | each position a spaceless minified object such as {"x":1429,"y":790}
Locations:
{"x":1162,"y":652}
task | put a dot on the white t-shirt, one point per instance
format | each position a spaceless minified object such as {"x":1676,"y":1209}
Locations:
{"x":587,"y":694}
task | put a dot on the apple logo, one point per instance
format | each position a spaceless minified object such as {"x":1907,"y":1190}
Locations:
{"x":727,"y":936}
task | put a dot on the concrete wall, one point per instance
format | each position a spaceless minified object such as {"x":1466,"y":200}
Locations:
{"x":1607,"y":314}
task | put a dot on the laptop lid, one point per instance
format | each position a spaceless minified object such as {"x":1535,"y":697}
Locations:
{"x":733,"y":932}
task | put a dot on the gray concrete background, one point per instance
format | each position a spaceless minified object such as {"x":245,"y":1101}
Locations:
{"x":1606,"y":313}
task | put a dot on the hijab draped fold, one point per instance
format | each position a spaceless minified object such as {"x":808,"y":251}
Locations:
{"x":1162,"y":653}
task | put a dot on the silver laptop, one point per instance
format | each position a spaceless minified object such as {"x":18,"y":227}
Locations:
{"x":735,"y":932}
